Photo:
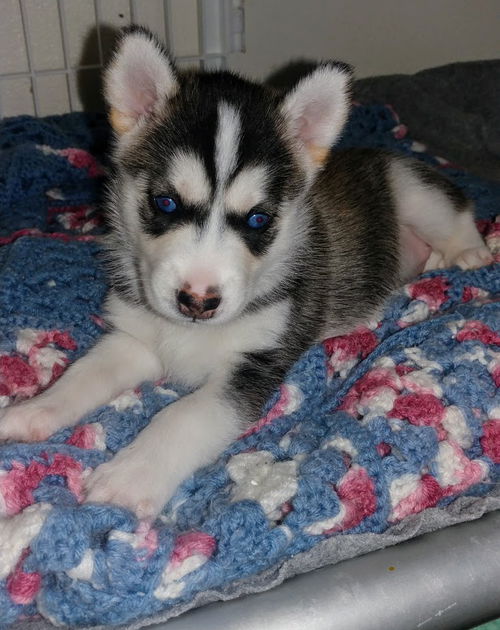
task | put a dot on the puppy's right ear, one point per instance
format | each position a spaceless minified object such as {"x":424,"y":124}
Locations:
{"x":139,"y":79}
{"x":316,"y":111}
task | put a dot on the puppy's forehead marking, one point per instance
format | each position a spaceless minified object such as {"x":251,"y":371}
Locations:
{"x":189,"y":177}
{"x":226,"y":142}
{"x":247,"y":189}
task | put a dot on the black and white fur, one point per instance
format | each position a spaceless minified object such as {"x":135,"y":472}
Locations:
{"x":347,"y":228}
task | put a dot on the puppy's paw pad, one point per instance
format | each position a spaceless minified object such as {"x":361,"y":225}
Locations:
{"x":473,"y":258}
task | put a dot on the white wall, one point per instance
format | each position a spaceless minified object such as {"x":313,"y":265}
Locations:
{"x":376,"y":36}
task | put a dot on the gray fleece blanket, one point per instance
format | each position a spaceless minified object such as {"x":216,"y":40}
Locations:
{"x":453,"y":109}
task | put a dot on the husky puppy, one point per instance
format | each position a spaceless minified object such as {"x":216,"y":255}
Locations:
{"x":238,"y":239}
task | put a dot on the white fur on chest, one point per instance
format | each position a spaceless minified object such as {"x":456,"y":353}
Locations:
{"x":192,"y":353}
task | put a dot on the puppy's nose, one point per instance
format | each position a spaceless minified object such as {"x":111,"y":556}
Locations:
{"x":198,"y":306}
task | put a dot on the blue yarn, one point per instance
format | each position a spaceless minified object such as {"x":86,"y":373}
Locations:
{"x":52,"y":284}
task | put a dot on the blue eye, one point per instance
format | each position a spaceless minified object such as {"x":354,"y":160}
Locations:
{"x":258,"y":220}
{"x":166,"y":204}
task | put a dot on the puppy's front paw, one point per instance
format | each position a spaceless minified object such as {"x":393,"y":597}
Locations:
{"x":29,"y":421}
{"x":130,"y":480}
{"x":473,"y":258}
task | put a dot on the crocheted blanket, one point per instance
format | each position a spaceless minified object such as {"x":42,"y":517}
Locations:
{"x":368,"y":430}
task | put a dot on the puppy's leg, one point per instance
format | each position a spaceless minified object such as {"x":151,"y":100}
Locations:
{"x":117,"y":362}
{"x":182,"y":437}
{"x":438,"y":214}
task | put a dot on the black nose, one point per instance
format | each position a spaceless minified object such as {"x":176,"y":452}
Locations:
{"x":196,"y":306}
{"x":210,"y":304}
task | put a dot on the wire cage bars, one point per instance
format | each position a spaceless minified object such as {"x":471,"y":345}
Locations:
{"x":52,"y":51}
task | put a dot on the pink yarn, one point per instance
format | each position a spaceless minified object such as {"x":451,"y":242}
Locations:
{"x":356,"y":491}
{"x":23,"y":587}
{"x":84,"y":436}
{"x":45,"y":338}
{"x":470,"y":293}
{"x":67,"y":238}
{"x":99,"y":321}
{"x":23,"y":378}
{"x":416,"y":387}
{"x":83,"y":159}
{"x":476,"y":330}
{"x":18,"y":484}
{"x":394,"y":113}
{"x":62,"y":339}
{"x":419,"y":409}
{"x":17,"y":377}
{"x":384,"y":449}
{"x":429,"y":492}
{"x":491,"y":440}
{"x":71,"y":469}
{"x":80,"y":211}
{"x":359,"y":343}
{"x":286,"y":508}
{"x":432,"y":291}
{"x":190,"y":544}
{"x":468,"y":471}
{"x":496,"y":375}
{"x":369,"y":384}
{"x":427,"y":495}
{"x":491,"y":229}
{"x":402,"y":370}
{"x":276,"y":411}
{"x":400,"y":131}
{"x":75,"y":217}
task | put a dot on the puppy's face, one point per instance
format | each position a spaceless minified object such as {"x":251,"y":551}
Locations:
{"x":214,"y":174}
{"x":216,"y":187}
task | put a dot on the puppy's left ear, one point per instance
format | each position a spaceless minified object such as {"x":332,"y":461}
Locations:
{"x":139,"y":79}
{"x":316,"y":111}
